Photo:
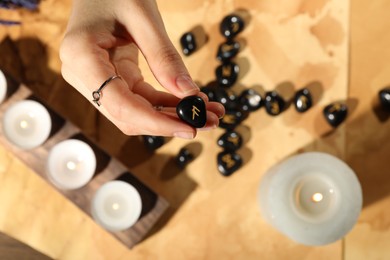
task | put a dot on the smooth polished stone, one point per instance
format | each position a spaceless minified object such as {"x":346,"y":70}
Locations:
{"x":227,"y":74}
{"x":231,"y":25}
{"x":231,"y":119}
{"x":183,"y":158}
{"x":250,"y":100}
{"x":335,"y":113}
{"x":303,"y":100}
{"x":192,"y":110}
{"x":226,"y":97}
{"x":384,"y":98}
{"x":210,"y":89}
{"x":230,"y":141}
{"x":228,"y":50}
{"x":152,"y":143}
{"x":228,"y":162}
{"x":274,"y":103}
{"x":188,"y":43}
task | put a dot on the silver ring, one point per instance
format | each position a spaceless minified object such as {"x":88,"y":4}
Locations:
{"x":97,"y":94}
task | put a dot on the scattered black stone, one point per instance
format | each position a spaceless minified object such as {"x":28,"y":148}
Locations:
{"x":152,"y":143}
{"x":384,"y":98}
{"x":274,"y":103}
{"x":230,"y":141}
{"x":250,"y":100}
{"x":231,"y":25}
{"x":335,"y":113}
{"x":303,"y":100}
{"x":188,"y":43}
{"x":228,"y":50}
{"x":228,"y":162}
{"x":231,"y":119}
{"x":227,"y":74}
{"x":210,"y":92}
{"x":183,"y":158}
{"x":226,"y":97}
{"x":192,"y":110}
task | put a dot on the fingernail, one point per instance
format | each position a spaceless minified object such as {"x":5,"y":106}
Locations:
{"x":186,"y":85}
{"x":221,"y":112}
{"x":203,"y":96}
{"x":184,"y":135}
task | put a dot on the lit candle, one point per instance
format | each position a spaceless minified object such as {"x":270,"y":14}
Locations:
{"x":116,"y":206}
{"x":71,"y":164}
{"x":313,"y":198}
{"x":3,"y":87}
{"x":26,"y":124}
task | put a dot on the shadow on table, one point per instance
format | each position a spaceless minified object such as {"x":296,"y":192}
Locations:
{"x":25,"y":61}
{"x":367,"y":149}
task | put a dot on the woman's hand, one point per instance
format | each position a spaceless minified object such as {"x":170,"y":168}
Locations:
{"x":103,"y":39}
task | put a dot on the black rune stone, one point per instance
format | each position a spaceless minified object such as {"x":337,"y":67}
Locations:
{"x":226,"y":97}
{"x":153,"y":142}
{"x":227,"y":74}
{"x":209,"y":91}
{"x":384,"y":98}
{"x":228,"y":50}
{"x":231,"y":119}
{"x":303,"y":100}
{"x":250,"y":100}
{"x":335,"y":113}
{"x":230,"y":141}
{"x":188,"y":43}
{"x":231,"y":25}
{"x":274,"y":104}
{"x":192,"y":110}
{"x":183,"y":157}
{"x":228,"y":162}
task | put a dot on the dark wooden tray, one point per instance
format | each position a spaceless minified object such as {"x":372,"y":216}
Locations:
{"x":108,"y":168}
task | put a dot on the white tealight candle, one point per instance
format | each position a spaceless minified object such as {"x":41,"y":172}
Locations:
{"x":116,"y":206}
{"x":313,"y":198}
{"x":3,"y":87}
{"x":27,"y":124}
{"x":71,"y":164}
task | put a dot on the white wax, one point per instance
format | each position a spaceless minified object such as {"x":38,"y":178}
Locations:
{"x":3,"y":87}
{"x":313,"y":198}
{"x":71,"y":164}
{"x":116,"y":206}
{"x":27,"y":124}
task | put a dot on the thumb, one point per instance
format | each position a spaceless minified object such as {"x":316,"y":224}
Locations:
{"x":147,"y":30}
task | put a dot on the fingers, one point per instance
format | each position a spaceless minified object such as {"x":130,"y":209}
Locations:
{"x":132,"y":113}
{"x":212,"y":107}
{"x":147,"y":29}
{"x":90,"y":55}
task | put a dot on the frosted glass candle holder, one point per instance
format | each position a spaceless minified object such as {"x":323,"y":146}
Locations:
{"x":71,"y":164}
{"x":116,"y":205}
{"x":27,"y":124}
{"x":313,"y":198}
{"x":3,"y":87}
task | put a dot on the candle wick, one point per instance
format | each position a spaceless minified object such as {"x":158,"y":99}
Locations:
{"x":317,"y":197}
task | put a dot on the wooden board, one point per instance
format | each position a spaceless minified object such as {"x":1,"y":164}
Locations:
{"x":108,"y":168}
{"x":12,"y":249}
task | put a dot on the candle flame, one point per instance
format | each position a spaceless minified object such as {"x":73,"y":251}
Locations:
{"x":317,"y":197}
{"x":115,"y":206}
{"x":71,"y":165}
{"x":23,"y":124}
